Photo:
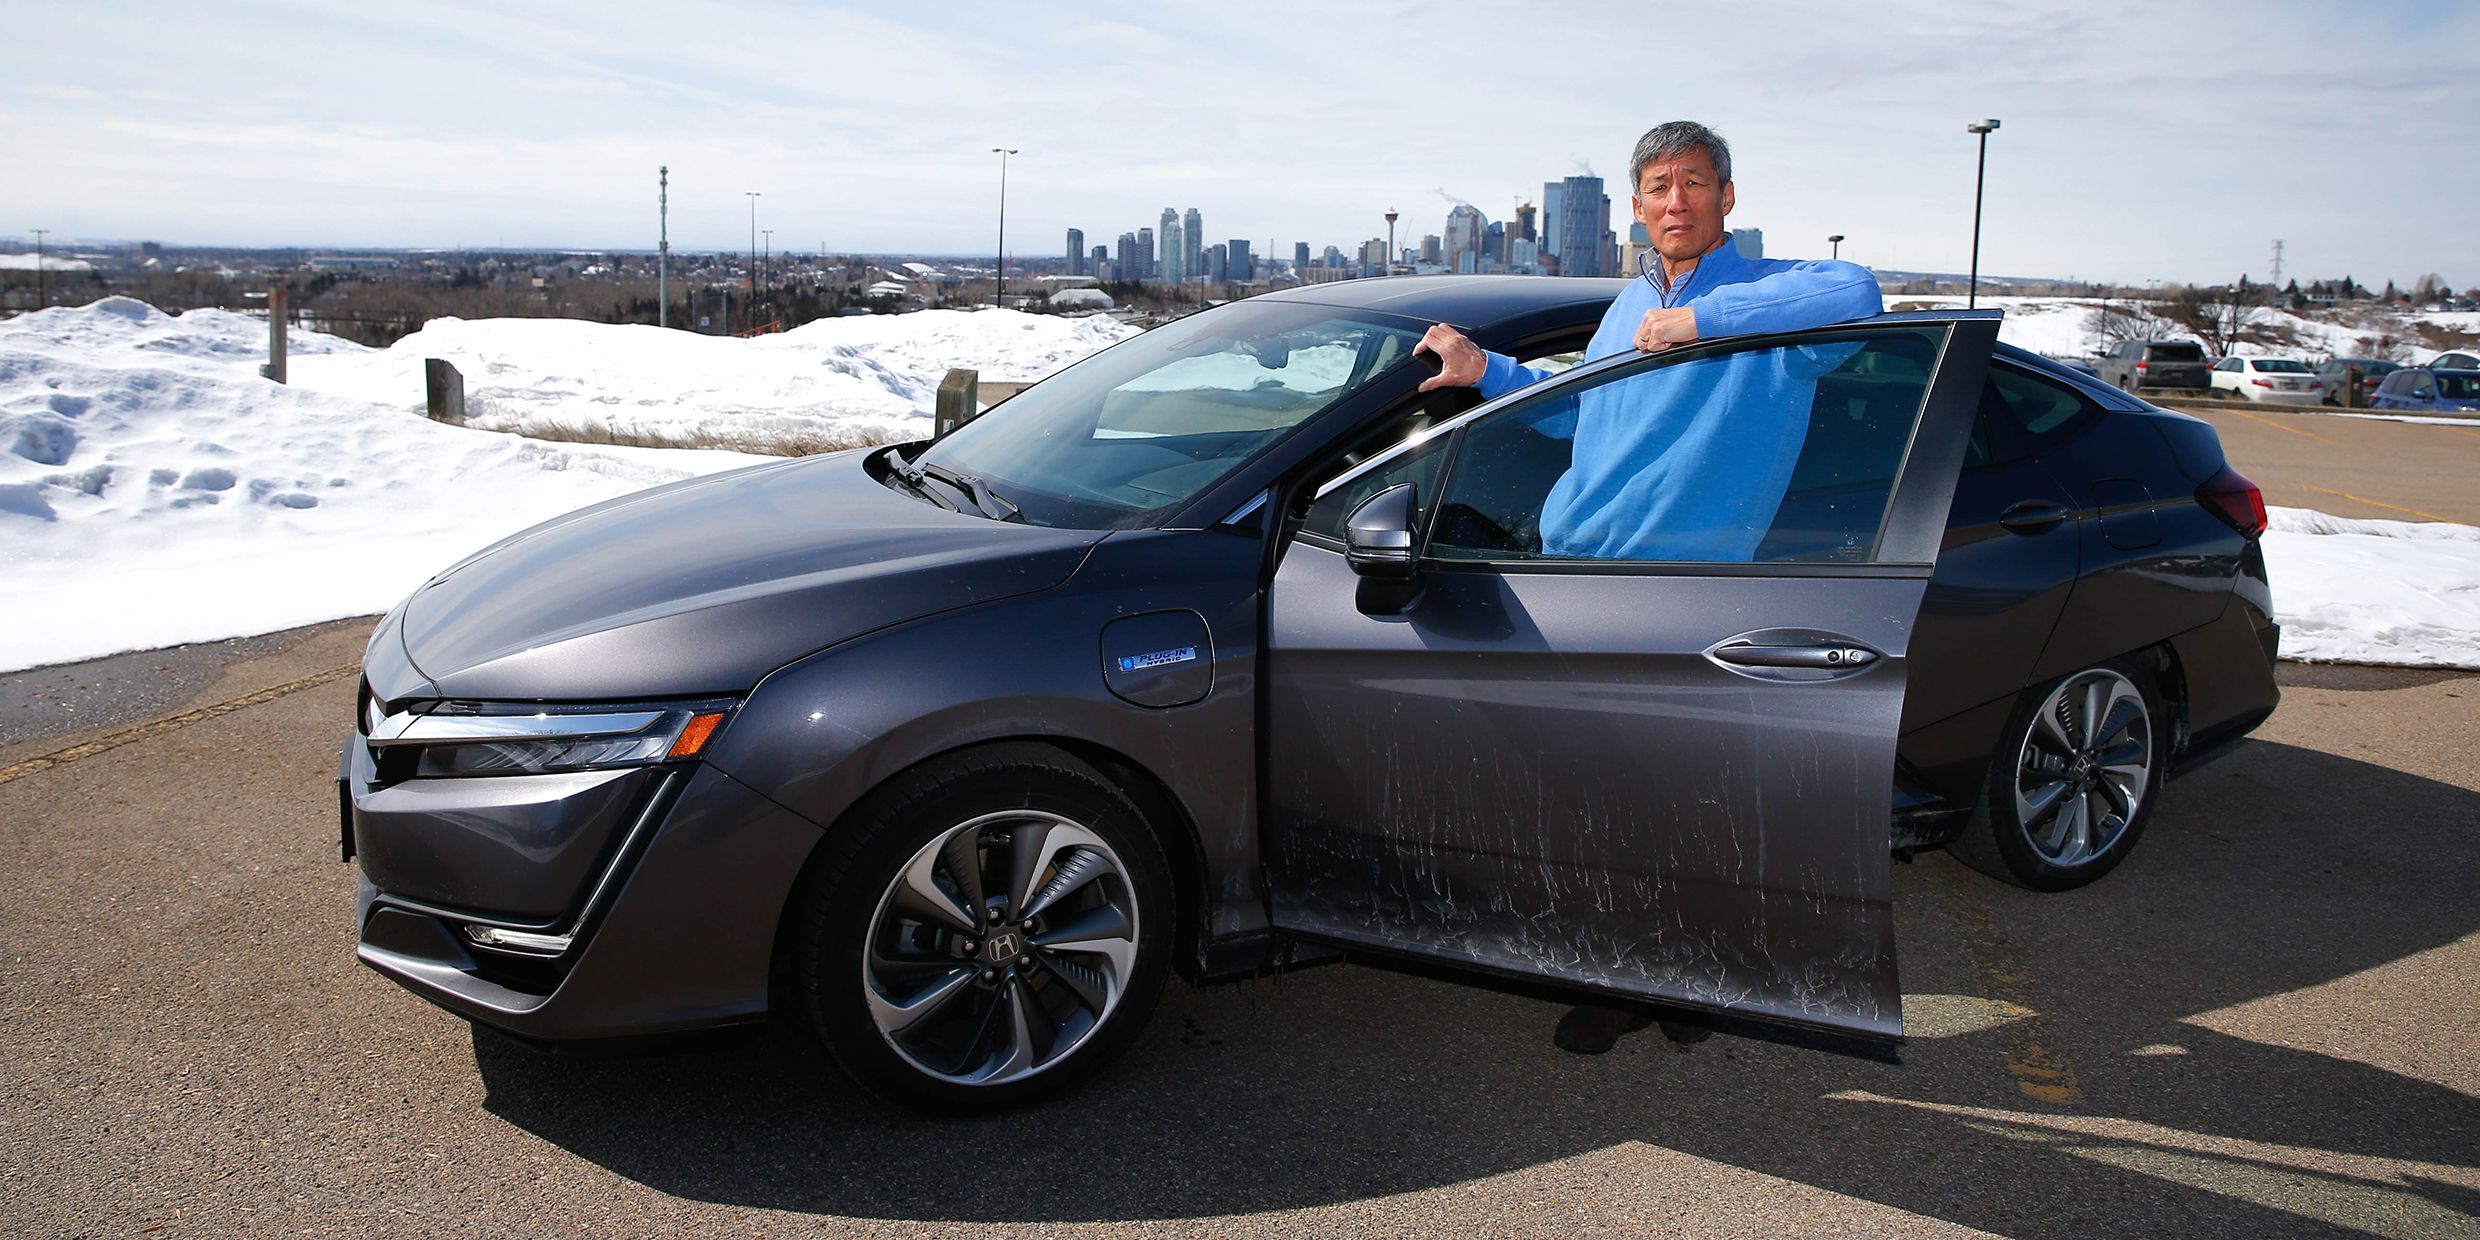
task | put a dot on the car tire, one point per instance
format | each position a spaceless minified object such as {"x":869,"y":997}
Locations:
{"x":1063,"y":965}
{"x":2066,"y":803}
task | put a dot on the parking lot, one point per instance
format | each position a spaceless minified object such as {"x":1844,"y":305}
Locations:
{"x":2266,"y":1022}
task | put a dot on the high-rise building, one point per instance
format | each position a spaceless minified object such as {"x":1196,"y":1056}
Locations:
{"x":1429,"y":249}
{"x":1218,"y":265}
{"x":1242,"y":262}
{"x":1076,"y":252}
{"x":1102,"y":255}
{"x":1300,"y":257}
{"x":1173,"y":250}
{"x":1193,"y":229}
{"x":1584,"y":244}
{"x":1553,"y":197}
{"x":1373,"y":256}
{"x":1145,"y":255}
{"x":1494,"y":243}
{"x":1129,"y":267}
{"x":1524,"y":222}
{"x":1464,"y":226}
{"x":1750,"y":242}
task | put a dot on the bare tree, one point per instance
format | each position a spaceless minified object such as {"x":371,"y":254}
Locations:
{"x":2216,"y":315}
{"x":2114,"y":322}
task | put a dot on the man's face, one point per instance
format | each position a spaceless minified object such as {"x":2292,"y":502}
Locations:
{"x":1682,"y":203}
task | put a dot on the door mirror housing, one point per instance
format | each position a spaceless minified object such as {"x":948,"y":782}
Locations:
{"x":1378,"y":536}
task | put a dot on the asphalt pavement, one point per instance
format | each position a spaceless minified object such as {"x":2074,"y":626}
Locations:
{"x":2262,"y":1024}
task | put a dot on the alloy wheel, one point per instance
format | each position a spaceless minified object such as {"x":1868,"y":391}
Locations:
{"x":1000,"y":947}
{"x":2086,"y":762}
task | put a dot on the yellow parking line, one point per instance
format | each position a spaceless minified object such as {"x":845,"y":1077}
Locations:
{"x":2258,"y":417}
{"x":141,"y":731}
{"x":2378,"y":503}
{"x":2041,"y":1073}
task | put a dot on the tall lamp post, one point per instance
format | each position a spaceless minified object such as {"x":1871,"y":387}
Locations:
{"x":1972,"y":297}
{"x":1000,"y":299}
{"x":753,"y":255}
{"x":663,"y":247}
{"x":1836,"y":241}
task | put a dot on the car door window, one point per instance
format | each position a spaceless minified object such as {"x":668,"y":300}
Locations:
{"x":1782,"y":454}
{"x":1324,"y":518}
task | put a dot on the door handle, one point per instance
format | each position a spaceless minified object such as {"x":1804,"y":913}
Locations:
{"x":1824,"y":657}
{"x":2032,"y":516}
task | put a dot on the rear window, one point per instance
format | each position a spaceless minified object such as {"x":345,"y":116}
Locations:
{"x":2174,"y":353}
{"x":2279,"y":366}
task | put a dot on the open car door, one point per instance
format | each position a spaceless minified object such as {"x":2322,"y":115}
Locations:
{"x":1599,"y":684}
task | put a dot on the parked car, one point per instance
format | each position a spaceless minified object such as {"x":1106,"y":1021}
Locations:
{"x":2372,"y":371}
{"x":2454,"y":361}
{"x":2157,"y":365}
{"x":1225,"y":648}
{"x":2422,"y":389}
{"x":2281,"y":380}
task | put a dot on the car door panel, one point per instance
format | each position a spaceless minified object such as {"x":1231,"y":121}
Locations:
{"x":1665,"y":781}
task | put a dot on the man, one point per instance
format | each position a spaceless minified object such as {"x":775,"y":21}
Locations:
{"x":1638,"y":486}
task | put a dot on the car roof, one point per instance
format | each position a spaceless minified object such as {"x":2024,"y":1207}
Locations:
{"x":1467,"y":301}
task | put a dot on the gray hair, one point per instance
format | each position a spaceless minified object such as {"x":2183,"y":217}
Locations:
{"x":1673,"y":139}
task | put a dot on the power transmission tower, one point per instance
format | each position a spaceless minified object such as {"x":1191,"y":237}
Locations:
{"x":2277,"y":264}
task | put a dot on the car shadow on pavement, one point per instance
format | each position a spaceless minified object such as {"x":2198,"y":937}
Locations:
{"x":2095,"y":1106}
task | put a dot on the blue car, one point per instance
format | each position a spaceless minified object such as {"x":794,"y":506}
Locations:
{"x":2419,"y":389}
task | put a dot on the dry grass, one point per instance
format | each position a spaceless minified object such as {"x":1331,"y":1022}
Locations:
{"x":793,"y":443}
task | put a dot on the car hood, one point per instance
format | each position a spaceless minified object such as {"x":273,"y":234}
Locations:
{"x":701,"y":588}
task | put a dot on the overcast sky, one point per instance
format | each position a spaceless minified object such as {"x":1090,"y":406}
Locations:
{"x":2140,"y":140}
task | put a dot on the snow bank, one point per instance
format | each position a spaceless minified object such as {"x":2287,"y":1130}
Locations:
{"x":2392,"y":592}
{"x":47,"y":262}
{"x":154,"y":490}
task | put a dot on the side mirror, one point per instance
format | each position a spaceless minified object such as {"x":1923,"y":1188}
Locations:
{"x":1377,"y":537}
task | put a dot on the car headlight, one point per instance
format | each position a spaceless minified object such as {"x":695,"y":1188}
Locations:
{"x":486,"y":739}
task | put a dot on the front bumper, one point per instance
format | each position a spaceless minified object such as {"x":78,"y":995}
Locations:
{"x":671,"y":927}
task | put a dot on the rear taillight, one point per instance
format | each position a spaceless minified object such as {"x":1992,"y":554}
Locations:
{"x":2261,"y":382}
{"x":2140,"y":365}
{"x":2230,"y":496}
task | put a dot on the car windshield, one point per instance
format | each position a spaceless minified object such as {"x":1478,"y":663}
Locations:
{"x":1125,"y":436}
{"x":2463,"y":386}
{"x":2279,"y":366}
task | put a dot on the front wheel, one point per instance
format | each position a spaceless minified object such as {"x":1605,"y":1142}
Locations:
{"x":2073,"y":786}
{"x":990,"y":927}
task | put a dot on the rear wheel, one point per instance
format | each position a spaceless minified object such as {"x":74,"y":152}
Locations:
{"x":992,"y":926}
{"x":2071,"y":791}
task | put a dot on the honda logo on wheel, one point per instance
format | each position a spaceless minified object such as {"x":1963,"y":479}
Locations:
{"x":1002,"y":947}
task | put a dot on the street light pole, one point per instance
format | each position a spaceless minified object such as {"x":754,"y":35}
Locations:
{"x":663,"y":247}
{"x":1000,"y":299}
{"x":1837,"y":242}
{"x":753,"y":255}
{"x":1973,"y":296}
{"x":42,"y":289}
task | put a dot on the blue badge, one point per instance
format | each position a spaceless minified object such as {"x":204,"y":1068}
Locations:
{"x":1160,"y":658}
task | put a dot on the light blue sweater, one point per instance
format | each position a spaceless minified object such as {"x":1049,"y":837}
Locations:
{"x":1689,"y":462}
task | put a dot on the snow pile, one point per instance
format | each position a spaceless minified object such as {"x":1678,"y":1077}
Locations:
{"x":867,"y":378}
{"x":2066,"y":326}
{"x":155,"y":490}
{"x":2394,"y":592}
{"x":46,"y":262}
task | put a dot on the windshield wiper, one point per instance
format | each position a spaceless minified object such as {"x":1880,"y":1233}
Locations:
{"x":912,"y":476}
{"x":993,"y":505}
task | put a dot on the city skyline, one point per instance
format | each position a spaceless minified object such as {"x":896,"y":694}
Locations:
{"x":455,"y":126}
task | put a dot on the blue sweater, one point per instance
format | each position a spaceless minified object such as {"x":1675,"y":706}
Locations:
{"x":1689,"y":462}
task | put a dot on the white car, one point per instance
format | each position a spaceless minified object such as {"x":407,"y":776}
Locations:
{"x":2280,"y":379}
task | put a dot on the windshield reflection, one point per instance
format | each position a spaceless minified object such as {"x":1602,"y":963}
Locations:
{"x":1121,"y":438}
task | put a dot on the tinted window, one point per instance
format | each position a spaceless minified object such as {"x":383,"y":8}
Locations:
{"x":1780,"y":454}
{"x":2279,"y":366}
{"x":2174,"y":353}
{"x":2459,"y":387}
{"x":2228,"y":363}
